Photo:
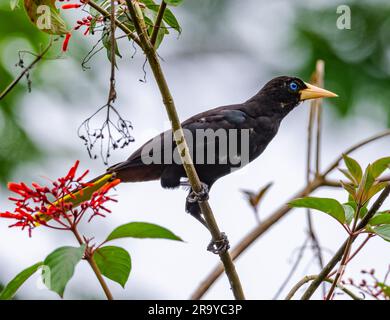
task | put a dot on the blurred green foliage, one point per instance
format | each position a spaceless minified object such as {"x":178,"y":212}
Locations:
{"x":357,"y":60}
{"x":15,"y":145}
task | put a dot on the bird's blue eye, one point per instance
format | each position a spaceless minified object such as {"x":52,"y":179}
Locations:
{"x":293,"y":86}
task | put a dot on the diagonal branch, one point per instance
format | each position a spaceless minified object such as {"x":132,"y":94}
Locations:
{"x":307,"y":279}
{"x":189,"y":168}
{"x":38,"y":58}
{"x":315,"y":115}
{"x":157,"y":24}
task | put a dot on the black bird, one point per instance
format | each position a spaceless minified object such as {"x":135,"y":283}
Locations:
{"x":260,"y":116}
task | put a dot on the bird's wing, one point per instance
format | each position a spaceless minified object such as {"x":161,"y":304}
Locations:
{"x":226,"y":117}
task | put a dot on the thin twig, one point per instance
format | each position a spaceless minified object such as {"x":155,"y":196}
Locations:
{"x":157,"y":25}
{"x":306,"y":279}
{"x":259,"y":230}
{"x":293,"y":269}
{"x":362,"y":143}
{"x":339,"y":254}
{"x":38,"y":58}
{"x":315,"y":115}
{"x":189,"y":168}
{"x":112,"y":92}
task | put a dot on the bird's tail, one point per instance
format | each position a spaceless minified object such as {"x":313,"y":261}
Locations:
{"x":79,"y":196}
{"x":122,"y":172}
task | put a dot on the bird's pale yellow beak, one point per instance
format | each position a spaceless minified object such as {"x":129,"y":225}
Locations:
{"x":313,"y":92}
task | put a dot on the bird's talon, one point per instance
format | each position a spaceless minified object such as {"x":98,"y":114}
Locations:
{"x":201,"y":196}
{"x":219,"y":246}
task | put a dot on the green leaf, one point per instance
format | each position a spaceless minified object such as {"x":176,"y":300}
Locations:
{"x":114,"y":263}
{"x":354,"y":168}
{"x":385,"y":288}
{"x":106,"y":40}
{"x":45,"y":16}
{"x":173,"y":2}
{"x":380,"y":218}
{"x":171,"y":20}
{"x":349,"y":213}
{"x":349,"y":176}
{"x":350,"y":189}
{"x":142,"y":230}
{"x":383,"y":231}
{"x":13,"y":286}
{"x":363,"y":211}
{"x":327,"y":205}
{"x":61,"y":264}
{"x":13,"y":4}
{"x":365,"y":184}
{"x":377,"y":187}
{"x":379,"y":166}
{"x":168,"y":17}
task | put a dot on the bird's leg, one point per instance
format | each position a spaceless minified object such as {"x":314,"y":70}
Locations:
{"x":200,"y":196}
{"x":215,"y":246}
{"x":219,"y":246}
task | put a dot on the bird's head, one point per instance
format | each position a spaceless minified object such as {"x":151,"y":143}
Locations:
{"x":287,"y":92}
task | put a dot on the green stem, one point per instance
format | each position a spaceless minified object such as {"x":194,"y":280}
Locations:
{"x":91,"y":261}
{"x":344,"y":259}
{"x":120,"y":25}
{"x":311,"y":278}
{"x":157,"y":24}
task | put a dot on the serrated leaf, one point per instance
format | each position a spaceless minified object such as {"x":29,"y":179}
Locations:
{"x":383,"y":231}
{"x":142,"y":230}
{"x":13,"y":286}
{"x":380,"y":218}
{"x":114,"y":263}
{"x":45,"y":16}
{"x":327,"y":205}
{"x":174,"y":2}
{"x":61,"y":264}
{"x":13,"y":4}
{"x":349,"y":213}
{"x":379,"y":166}
{"x":354,"y":168}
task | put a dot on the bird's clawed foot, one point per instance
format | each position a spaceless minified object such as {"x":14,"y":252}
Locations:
{"x":219,"y":246}
{"x":203,"y":195}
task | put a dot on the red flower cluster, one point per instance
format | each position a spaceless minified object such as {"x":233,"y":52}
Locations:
{"x":38,"y":205}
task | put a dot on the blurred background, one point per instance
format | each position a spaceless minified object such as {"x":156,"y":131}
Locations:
{"x":226,"y":52}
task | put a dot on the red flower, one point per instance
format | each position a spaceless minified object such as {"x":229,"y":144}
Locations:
{"x":66,"y":42}
{"x":39,"y":205}
{"x":71,"y":6}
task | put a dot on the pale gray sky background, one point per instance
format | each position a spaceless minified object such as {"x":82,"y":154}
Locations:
{"x":227,"y":72}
